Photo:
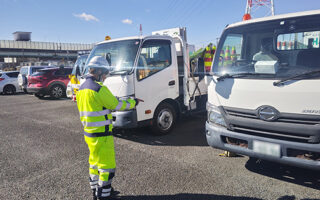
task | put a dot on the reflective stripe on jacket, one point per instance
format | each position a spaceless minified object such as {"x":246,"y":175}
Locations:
{"x":95,"y":103}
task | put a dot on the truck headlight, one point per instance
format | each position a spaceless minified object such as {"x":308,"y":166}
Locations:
{"x":214,"y":115}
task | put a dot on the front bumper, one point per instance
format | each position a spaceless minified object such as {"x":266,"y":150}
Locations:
{"x":37,"y":90}
{"x":125,"y":119}
{"x":216,"y":138}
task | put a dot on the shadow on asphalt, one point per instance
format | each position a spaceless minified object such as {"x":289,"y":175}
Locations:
{"x":198,"y":197}
{"x":304,"y":177}
{"x":185,"y":197}
{"x":287,"y":197}
{"x":52,"y":99}
{"x":16,"y":94}
{"x":189,"y":131}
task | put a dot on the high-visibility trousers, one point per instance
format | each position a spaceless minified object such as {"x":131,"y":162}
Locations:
{"x":102,"y":163}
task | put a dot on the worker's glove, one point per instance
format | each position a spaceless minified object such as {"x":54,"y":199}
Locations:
{"x":138,"y":100}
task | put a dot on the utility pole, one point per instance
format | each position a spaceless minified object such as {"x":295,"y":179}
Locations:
{"x":140,"y":29}
{"x":254,"y":5}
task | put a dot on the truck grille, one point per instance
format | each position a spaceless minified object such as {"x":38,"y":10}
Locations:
{"x":242,"y":120}
{"x":273,"y":135}
{"x":308,"y":120}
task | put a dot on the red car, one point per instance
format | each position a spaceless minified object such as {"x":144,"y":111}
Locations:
{"x":49,"y":81}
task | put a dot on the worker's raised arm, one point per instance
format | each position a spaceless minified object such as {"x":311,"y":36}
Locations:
{"x":109,"y":101}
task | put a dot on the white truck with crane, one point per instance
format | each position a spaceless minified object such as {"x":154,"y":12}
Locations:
{"x":264,"y":102}
{"x":155,"y":69}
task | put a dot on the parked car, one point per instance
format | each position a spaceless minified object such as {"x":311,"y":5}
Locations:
{"x":9,"y":82}
{"x":49,"y":81}
{"x":25,"y":72}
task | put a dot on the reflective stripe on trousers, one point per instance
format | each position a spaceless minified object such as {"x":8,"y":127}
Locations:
{"x":93,"y":181}
{"x":104,"y":187}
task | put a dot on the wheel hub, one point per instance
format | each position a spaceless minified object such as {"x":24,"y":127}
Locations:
{"x":57,"y":92}
{"x":165,"y":119}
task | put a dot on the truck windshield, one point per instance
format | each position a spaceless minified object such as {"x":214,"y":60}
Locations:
{"x":120,"y":55}
{"x":273,"y":49}
{"x":81,"y":61}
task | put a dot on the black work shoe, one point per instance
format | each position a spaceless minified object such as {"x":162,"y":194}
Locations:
{"x":94,"y":197}
{"x":114,"y":192}
{"x":109,"y":198}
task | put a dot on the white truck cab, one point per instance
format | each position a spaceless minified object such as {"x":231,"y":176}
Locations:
{"x":156,"y":69}
{"x":263,"y":100}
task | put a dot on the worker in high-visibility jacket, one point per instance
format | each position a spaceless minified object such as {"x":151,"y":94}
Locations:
{"x":207,"y":58}
{"x":95,"y":103}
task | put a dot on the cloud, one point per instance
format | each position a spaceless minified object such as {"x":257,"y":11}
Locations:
{"x":127,"y":21}
{"x":86,"y":17}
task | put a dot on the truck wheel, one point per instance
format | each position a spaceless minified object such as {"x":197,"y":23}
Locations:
{"x":9,"y":89}
{"x":164,"y":119}
{"x":57,"y":91}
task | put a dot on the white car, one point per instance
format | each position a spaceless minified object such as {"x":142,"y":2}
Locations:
{"x":9,"y":82}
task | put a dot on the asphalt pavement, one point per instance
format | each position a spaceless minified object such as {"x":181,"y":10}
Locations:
{"x":43,"y":156}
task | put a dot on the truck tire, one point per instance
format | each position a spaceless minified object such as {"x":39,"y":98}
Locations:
{"x":9,"y":89}
{"x":57,"y":91}
{"x":164,"y":119}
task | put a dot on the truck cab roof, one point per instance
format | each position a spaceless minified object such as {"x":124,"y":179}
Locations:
{"x":137,"y":38}
{"x":276,"y":17}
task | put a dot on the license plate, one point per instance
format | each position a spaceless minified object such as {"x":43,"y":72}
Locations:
{"x":266,"y":148}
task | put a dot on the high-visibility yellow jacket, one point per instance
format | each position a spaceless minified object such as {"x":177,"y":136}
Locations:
{"x":95,"y":104}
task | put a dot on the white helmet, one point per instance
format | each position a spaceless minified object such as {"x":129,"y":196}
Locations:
{"x":98,"y":62}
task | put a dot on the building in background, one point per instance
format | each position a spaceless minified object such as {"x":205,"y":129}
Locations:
{"x":22,"y":51}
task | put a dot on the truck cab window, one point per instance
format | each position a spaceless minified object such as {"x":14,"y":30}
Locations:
{"x":231,"y":50}
{"x":300,"y":49}
{"x":155,"y":56}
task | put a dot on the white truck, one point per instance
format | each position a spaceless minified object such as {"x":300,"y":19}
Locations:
{"x":156,"y":69}
{"x":264,"y":101}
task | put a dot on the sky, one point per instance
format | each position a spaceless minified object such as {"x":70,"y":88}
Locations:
{"x":89,"y":21}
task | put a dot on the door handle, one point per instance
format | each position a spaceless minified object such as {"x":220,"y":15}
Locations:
{"x":172,"y":83}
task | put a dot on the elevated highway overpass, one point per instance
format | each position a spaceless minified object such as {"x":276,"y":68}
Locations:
{"x":41,"y":50}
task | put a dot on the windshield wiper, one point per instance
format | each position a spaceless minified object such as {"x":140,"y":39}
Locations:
{"x":300,"y":76}
{"x":221,"y":78}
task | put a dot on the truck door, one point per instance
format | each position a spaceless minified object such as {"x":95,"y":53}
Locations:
{"x":156,"y":76}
